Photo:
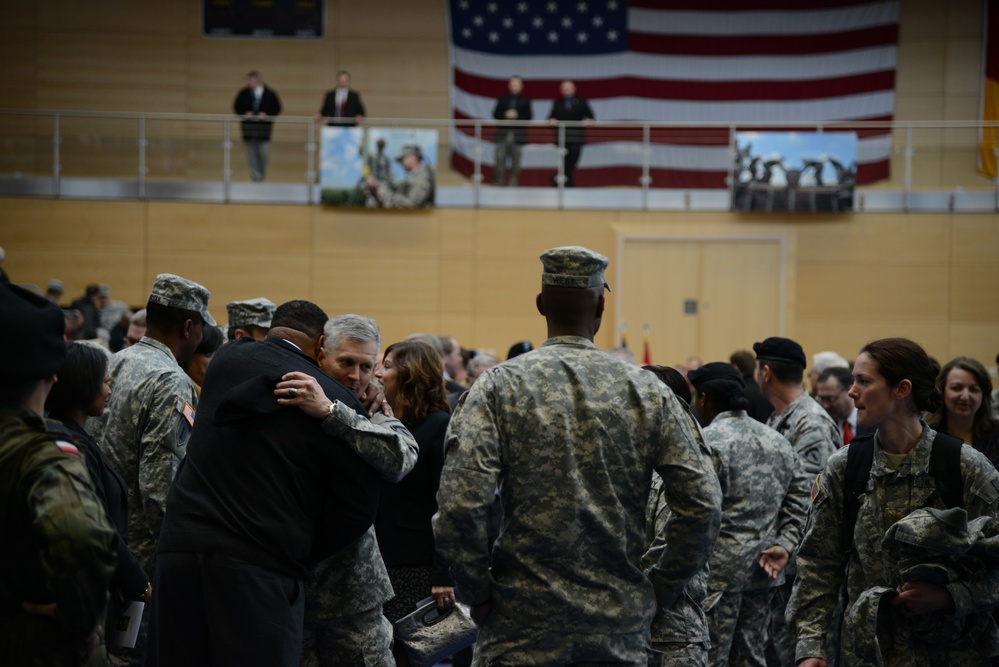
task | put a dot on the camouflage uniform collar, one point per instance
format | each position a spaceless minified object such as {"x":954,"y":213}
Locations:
{"x":569,"y":340}
{"x":916,"y":463}
{"x":153,"y":343}
{"x":731,"y":414}
{"x":18,"y":411}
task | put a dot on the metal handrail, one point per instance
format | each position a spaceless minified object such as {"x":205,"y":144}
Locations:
{"x":312,"y":127}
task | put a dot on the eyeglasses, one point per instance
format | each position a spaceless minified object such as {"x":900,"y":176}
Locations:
{"x":826,"y":400}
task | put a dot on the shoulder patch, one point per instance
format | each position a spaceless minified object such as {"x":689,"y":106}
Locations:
{"x":816,"y":488}
{"x":188,"y":412}
{"x":68,"y":447}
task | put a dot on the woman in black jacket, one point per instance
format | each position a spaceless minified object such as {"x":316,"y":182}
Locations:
{"x":82,"y":391}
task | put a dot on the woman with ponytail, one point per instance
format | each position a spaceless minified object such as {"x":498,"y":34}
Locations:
{"x":910,"y":599}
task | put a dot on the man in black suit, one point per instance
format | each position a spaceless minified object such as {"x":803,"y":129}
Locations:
{"x":256,"y":103}
{"x":264,"y":492}
{"x":831,"y":393}
{"x":342,"y":104}
{"x":510,"y":139}
{"x":571,"y":108}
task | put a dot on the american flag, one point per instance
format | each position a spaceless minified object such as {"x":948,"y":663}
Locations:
{"x":732,"y":61}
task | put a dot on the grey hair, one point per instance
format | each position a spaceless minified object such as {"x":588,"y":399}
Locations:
{"x":351,"y":327}
{"x":480,"y":360}
{"x":430,"y":339}
{"x":139,"y":319}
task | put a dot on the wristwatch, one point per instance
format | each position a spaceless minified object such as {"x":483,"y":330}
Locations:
{"x":331,"y":409}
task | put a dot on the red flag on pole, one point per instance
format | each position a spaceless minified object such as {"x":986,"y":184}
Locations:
{"x":646,"y":353}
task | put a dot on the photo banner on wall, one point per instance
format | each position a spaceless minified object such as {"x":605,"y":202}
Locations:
{"x":378,"y":167}
{"x":794,"y":171}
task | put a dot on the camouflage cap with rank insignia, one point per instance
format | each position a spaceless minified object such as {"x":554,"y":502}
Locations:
{"x":251,"y":313}
{"x":573,"y":266}
{"x":176,"y":292}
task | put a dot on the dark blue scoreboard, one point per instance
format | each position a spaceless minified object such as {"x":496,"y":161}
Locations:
{"x":298,"y":19}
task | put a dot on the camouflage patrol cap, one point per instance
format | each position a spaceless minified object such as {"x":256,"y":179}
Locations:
{"x":176,"y":292}
{"x":251,"y":313}
{"x":409,"y":149}
{"x":573,"y":266}
{"x":780,"y":349}
{"x":56,"y":286}
{"x":31,"y":338}
{"x":716,"y":370}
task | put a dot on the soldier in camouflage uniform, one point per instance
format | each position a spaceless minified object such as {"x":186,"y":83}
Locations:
{"x":679,"y":633}
{"x":573,"y":436}
{"x":59,"y":550}
{"x":251,"y":317}
{"x":150,"y":414}
{"x":415,"y":191}
{"x":344,"y":624}
{"x":894,"y":382}
{"x":757,"y":467}
{"x":814,"y":436}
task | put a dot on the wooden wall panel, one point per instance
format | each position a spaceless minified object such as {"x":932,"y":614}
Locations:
{"x":975,"y":238}
{"x":897,"y":238}
{"x":973,"y":293}
{"x":476,"y":273}
{"x":848,"y":336}
{"x":389,"y":20}
{"x":376,"y":233}
{"x":878,"y":292}
{"x":234,"y":229}
{"x":116,"y":16}
{"x":978,"y":340}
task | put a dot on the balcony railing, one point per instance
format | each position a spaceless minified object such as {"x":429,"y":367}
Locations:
{"x":631,"y":165}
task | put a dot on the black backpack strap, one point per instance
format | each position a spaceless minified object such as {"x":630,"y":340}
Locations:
{"x":859,"y":458}
{"x":945,"y":465}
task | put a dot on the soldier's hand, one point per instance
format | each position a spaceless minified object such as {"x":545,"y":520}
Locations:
{"x":921,"y":597}
{"x":481,"y":612}
{"x":773,"y":560}
{"x":812,"y":662}
{"x":374,"y":400}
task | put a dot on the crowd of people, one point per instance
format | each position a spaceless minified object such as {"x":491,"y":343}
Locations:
{"x":283,"y":489}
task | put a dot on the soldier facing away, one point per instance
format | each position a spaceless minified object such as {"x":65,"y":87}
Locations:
{"x":572,"y":437}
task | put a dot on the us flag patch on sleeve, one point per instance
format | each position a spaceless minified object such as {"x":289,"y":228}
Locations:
{"x":67,"y":447}
{"x":189,"y":413}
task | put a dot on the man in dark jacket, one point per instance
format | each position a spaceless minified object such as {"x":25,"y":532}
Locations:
{"x":342,"y":104}
{"x":257,"y":102}
{"x":569,"y":107}
{"x":510,"y":139}
{"x":263,"y":493}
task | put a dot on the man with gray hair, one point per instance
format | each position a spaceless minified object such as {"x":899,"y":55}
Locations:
{"x":344,"y":623}
{"x":820,"y":362}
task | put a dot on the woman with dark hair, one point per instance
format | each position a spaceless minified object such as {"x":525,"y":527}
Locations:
{"x":211,"y":341}
{"x":966,"y":412}
{"x":910,"y":600}
{"x":82,"y":391}
{"x":412,"y":378}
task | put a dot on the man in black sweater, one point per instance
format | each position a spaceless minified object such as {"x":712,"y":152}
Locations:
{"x":263,"y":492}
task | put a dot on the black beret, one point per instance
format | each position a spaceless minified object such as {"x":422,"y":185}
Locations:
{"x":780,"y":349}
{"x":716,"y":370}
{"x":31,"y":336}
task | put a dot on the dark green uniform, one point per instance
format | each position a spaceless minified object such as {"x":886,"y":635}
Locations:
{"x":58,"y":546}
